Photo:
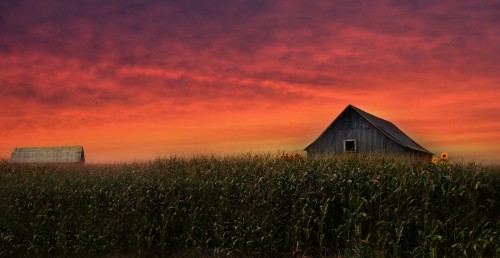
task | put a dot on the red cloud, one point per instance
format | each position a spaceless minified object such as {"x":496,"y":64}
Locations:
{"x":236,"y":76}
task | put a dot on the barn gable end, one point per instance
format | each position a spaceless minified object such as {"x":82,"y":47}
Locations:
{"x":60,"y":154}
{"x":355,"y":128}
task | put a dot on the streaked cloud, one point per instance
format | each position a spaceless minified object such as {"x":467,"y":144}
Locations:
{"x":236,"y":75}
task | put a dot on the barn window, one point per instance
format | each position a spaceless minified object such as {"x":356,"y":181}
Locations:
{"x":349,"y":145}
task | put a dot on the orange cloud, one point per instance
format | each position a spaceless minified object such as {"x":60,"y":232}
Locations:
{"x":137,"y":80}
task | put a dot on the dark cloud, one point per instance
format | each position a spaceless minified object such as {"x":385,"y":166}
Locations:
{"x":113,"y":60}
{"x":219,"y":35}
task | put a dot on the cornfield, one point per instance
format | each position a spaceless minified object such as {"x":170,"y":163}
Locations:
{"x":251,"y":205}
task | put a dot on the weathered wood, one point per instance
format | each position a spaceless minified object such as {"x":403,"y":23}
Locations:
{"x":372,"y":134}
{"x":61,"y":154}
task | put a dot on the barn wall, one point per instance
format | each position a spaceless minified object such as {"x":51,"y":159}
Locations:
{"x":351,"y":125}
{"x":422,"y":156}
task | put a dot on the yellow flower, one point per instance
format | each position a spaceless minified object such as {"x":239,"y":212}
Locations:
{"x":435,"y":160}
{"x":444,"y":155}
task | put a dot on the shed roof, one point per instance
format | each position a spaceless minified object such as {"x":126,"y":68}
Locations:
{"x":58,"y":154}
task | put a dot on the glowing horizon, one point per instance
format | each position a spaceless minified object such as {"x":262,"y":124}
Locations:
{"x":140,"y":80}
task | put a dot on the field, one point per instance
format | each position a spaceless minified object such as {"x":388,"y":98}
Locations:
{"x":249,"y":206}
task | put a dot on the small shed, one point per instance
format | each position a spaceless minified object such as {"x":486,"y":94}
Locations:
{"x":355,"y":130}
{"x":59,"y":154}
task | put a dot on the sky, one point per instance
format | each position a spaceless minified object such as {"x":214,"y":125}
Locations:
{"x":135,"y":80}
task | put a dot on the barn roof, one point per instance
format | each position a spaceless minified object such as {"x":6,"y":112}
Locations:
{"x":391,"y":131}
{"x":59,"y":154}
{"x":387,"y":128}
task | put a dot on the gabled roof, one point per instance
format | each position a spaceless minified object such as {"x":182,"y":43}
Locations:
{"x":391,"y":131}
{"x":387,"y":128}
{"x":59,"y":154}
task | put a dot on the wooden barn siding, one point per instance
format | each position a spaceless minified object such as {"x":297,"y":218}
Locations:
{"x":351,"y":125}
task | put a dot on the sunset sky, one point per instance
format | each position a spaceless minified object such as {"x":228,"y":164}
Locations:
{"x":135,"y":80}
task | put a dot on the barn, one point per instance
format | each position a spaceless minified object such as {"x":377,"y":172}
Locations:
{"x":356,"y":131}
{"x":59,"y":154}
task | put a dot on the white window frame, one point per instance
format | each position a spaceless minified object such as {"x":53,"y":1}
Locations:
{"x":355,"y":145}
